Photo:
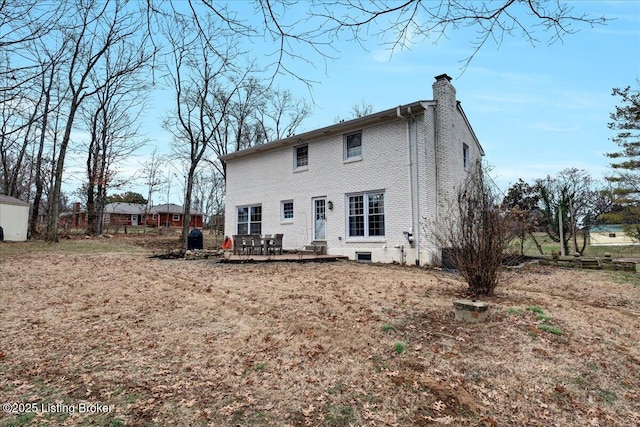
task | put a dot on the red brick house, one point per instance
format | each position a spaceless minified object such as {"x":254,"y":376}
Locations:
{"x":170,"y":215}
{"x":120,"y":213}
{"x":132,"y":215}
{"x":77,"y":218}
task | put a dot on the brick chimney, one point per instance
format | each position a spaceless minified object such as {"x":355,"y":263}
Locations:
{"x":444,"y":92}
{"x":448,"y":149}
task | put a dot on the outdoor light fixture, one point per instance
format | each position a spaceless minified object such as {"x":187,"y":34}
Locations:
{"x":330,"y":205}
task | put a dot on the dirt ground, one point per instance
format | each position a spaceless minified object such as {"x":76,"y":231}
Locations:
{"x":116,"y":339}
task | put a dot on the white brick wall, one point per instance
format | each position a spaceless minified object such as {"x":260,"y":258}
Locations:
{"x":268,"y":178}
{"x":442,"y":162}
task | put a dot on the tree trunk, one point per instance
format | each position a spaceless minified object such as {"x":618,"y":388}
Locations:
{"x":535,"y":241}
{"x":55,"y":198}
{"x":35,"y":212}
{"x":186,"y":217}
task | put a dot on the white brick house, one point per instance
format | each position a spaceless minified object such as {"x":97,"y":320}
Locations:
{"x":365,"y":188}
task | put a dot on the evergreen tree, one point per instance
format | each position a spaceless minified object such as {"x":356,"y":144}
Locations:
{"x":127,"y":197}
{"x":626,"y":161}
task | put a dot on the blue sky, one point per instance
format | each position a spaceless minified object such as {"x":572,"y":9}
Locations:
{"x":536,"y":110}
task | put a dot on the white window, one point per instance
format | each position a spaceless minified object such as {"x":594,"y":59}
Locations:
{"x":176,"y":217}
{"x":250,"y":220}
{"x":465,"y":156}
{"x":365,"y":214}
{"x":353,"y":146}
{"x":301,"y":157}
{"x":286,"y":211}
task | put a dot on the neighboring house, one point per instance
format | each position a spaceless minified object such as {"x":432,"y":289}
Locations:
{"x":609,"y":235}
{"x":120,"y":213}
{"x":170,"y":215}
{"x":77,"y":218}
{"x":14,"y":219}
{"x":368,"y":188}
{"x":133,"y":214}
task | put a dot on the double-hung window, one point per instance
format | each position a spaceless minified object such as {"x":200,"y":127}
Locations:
{"x":366,"y":214}
{"x":301,"y":157}
{"x":353,"y":146}
{"x":286,"y":211}
{"x":250,"y":220}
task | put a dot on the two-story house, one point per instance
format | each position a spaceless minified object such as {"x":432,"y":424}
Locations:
{"x":368,"y":188}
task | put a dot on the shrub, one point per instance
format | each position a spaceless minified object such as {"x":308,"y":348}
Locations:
{"x":476,"y":233}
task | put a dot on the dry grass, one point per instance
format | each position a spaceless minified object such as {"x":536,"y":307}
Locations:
{"x":196,"y":343}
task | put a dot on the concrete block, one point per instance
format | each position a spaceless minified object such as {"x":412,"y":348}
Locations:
{"x":470,"y":311}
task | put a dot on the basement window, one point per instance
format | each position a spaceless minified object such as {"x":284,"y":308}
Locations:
{"x":363,"y":256}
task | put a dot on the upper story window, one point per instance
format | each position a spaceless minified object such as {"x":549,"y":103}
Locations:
{"x":301,"y":157}
{"x":465,"y":156}
{"x":353,"y":146}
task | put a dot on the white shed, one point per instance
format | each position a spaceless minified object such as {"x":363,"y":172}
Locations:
{"x":14,"y":218}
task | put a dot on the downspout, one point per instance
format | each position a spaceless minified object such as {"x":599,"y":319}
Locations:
{"x":416,"y":187}
{"x":413,"y":182}
{"x":410,"y":164}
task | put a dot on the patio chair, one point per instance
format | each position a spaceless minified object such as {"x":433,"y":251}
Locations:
{"x":239,"y":245}
{"x":267,"y":241}
{"x":256,"y":244}
{"x":277,"y":244}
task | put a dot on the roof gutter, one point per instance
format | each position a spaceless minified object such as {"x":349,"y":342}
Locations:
{"x":335,"y":129}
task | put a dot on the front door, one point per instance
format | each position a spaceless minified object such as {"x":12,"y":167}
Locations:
{"x":134,"y":219}
{"x":320,"y":218}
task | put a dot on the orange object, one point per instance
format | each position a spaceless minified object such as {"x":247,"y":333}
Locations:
{"x":227,"y":244}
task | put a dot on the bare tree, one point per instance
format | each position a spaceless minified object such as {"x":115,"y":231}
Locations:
{"x":19,"y":111}
{"x":200,"y":77}
{"x":94,"y":29}
{"x":397,"y":24}
{"x":209,"y":196}
{"x":23,"y":22}
{"x":360,"y":109}
{"x":112,"y":118}
{"x":282,"y":115}
{"x":476,"y":233}
{"x":567,"y":203}
{"x":151,"y":173}
{"x":256,"y":114}
{"x":50,"y":61}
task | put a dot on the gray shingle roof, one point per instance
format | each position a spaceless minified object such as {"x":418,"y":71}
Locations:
{"x":8,"y":200}
{"x":125,"y":208}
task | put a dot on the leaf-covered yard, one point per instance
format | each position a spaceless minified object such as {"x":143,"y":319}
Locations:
{"x":153,"y":342}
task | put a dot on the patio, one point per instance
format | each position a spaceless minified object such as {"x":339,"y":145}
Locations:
{"x":285,"y":257}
